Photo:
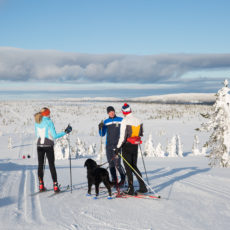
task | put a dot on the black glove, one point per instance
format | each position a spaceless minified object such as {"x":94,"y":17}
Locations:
{"x":68,"y":129}
{"x":101,"y":124}
{"x":116,"y":151}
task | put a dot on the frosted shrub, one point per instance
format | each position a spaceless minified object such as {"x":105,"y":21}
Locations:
{"x":171,"y":147}
{"x":149,"y":148}
{"x":179,"y":146}
{"x":9,"y":143}
{"x":174,"y":147}
{"x":61,"y":148}
{"x":159,"y":151}
{"x":195,"y":146}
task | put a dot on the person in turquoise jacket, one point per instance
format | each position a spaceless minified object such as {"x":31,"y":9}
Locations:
{"x":46,"y":134}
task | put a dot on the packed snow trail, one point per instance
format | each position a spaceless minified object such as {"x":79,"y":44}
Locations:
{"x":193,"y":197}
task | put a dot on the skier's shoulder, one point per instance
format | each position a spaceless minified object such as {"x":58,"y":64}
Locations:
{"x":130,"y":118}
{"x":106,"y":121}
{"x":111,"y":120}
{"x":119,"y":119}
{"x":46,"y":122}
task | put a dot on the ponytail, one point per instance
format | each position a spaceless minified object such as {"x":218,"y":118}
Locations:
{"x":38,"y":117}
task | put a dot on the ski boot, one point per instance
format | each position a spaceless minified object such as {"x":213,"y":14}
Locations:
{"x":41,"y":186}
{"x":142,"y":188}
{"x":56,"y":187}
{"x":130,"y":191}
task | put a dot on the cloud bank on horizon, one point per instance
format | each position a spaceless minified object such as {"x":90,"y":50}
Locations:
{"x":55,"y":66}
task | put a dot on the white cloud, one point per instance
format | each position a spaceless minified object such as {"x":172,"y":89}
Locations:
{"x":53,"y":66}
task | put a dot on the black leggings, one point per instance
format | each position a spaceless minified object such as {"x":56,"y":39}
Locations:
{"x":130,"y":153}
{"x":49,"y":151}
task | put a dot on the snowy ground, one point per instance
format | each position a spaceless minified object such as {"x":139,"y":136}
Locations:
{"x":194,"y":196}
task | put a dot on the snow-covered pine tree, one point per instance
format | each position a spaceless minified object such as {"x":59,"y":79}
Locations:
{"x":101,"y":153}
{"x":203,"y":151}
{"x":179,"y":146}
{"x":9,"y":143}
{"x":159,"y":151}
{"x":149,"y":148}
{"x":61,"y":148}
{"x":195,"y":146}
{"x":219,"y":124}
{"x":81,"y":149}
{"x":92,"y":150}
{"x":171,"y":147}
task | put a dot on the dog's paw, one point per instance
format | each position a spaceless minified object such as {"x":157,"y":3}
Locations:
{"x":109,"y":198}
{"x":88,"y":194}
{"x":95,"y":198}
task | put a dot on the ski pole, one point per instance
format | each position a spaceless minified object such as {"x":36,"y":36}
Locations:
{"x":70,"y":167}
{"x":107,"y":162}
{"x":144,"y":165}
{"x":136,"y":173}
{"x":117,"y":185}
{"x":101,"y":145}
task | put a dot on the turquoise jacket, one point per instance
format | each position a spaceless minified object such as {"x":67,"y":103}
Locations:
{"x":46,"y":133}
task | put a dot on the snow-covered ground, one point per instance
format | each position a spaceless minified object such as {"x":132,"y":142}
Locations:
{"x":194,"y":196}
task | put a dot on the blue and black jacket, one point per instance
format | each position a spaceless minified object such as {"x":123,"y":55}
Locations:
{"x":46,"y":133}
{"x":111,"y":129}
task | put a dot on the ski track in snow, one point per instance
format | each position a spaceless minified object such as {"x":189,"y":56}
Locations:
{"x":221,"y":192}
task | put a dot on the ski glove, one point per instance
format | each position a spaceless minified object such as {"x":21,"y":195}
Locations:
{"x":68,"y":129}
{"x":101,"y":125}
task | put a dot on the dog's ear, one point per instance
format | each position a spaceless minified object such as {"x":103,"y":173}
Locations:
{"x":85,"y":163}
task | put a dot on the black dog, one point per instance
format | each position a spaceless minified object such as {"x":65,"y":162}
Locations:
{"x":96,"y":175}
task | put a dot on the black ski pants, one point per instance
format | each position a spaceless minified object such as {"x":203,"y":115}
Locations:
{"x":49,"y":152}
{"x":130,"y":153}
{"x":114,"y":163}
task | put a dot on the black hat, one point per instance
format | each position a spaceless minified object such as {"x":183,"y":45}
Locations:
{"x":110,"y":108}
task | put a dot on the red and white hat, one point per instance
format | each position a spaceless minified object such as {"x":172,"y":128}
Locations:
{"x":126,"y":109}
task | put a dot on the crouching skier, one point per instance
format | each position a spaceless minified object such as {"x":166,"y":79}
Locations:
{"x":111,"y":128}
{"x":45,"y":132}
{"x":131,"y":130}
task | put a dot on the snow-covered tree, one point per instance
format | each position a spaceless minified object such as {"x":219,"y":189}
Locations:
{"x":219,"y":124}
{"x":149,"y":148}
{"x":171,"y":147}
{"x":61,"y":148}
{"x":203,"y":151}
{"x":81,"y":149}
{"x":9,"y":143}
{"x":179,"y":146}
{"x":92,"y":150}
{"x":101,"y":153}
{"x":195,"y":146}
{"x":159,"y":151}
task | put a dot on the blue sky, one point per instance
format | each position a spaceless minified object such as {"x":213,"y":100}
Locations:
{"x":160,"y":45}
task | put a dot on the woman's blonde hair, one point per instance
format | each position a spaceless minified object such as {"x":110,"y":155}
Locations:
{"x":38,"y":117}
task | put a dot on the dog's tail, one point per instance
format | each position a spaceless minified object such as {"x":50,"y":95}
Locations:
{"x":111,"y":183}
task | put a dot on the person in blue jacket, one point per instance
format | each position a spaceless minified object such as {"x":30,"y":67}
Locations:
{"x":46,"y":134}
{"x":111,"y":128}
